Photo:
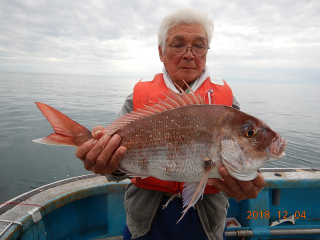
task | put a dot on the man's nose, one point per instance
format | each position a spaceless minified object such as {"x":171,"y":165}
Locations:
{"x":188,"y":54}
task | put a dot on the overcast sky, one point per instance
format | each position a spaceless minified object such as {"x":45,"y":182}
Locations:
{"x":275,"y":41}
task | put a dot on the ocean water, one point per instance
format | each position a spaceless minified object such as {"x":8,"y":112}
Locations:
{"x":290,"y":109}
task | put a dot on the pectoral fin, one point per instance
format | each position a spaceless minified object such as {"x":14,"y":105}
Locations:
{"x":193,"y":191}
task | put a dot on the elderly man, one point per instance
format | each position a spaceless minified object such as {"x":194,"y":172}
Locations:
{"x":184,"y":38}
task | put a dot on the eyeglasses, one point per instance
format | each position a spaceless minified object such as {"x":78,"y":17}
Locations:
{"x":197,"y":50}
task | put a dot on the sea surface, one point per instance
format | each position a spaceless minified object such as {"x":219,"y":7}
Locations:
{"x":293,"y":110}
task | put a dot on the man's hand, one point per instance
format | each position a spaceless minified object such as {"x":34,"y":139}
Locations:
{"x":235,"y":188}
{"x":101,"y":154}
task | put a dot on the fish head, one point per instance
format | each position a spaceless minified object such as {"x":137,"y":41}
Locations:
{"x":252,"y":144}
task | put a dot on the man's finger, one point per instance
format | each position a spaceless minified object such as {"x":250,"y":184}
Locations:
{"x":220,"y":184}
{"x":114,"y":161}
{"x":259,"y":181}
{"x":97,"y":132}
{"x":99,"y":146}
{"x":229,"y":180}
{"x":104,"y":157}
{"x":246,"y":186}
{"x":83,"y":150}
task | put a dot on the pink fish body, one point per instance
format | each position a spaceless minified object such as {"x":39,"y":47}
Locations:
{"x":182,"y":139}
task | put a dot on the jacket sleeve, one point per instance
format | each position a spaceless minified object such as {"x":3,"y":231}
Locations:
{"x":235,"y":103}
{"x":126,"y":108}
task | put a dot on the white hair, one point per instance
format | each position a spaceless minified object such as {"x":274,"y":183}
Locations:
{"x":184,"y":16}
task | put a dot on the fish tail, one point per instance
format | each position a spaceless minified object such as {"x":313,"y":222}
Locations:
{"x":67,"y":131}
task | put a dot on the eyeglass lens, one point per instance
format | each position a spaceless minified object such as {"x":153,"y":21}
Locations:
{"x":197,"y":50}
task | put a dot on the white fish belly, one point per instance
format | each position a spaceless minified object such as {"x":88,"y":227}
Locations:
{"x":184,"y":165}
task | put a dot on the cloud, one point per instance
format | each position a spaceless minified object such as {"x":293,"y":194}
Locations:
{"x":252,"y":39}
{"x":73,"y":33}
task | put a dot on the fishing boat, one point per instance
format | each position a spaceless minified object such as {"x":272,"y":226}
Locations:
{"x":90,"y":207}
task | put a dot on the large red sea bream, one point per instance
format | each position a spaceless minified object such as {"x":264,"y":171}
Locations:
{"x":181,"y":139}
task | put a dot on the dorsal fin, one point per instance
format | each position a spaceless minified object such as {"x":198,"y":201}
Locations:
{"x":195,"y":98}
{"x":173,"y":100}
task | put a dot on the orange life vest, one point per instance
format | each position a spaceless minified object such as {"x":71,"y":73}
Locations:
{"x":146,"y":92}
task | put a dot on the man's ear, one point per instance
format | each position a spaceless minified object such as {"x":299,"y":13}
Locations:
{"x":160,"y":53}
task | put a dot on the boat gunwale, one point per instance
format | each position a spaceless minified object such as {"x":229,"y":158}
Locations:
{"x":12,"y":206}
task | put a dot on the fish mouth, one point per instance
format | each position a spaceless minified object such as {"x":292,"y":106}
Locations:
{"x":277,"y":147}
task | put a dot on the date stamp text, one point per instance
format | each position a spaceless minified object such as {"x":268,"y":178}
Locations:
{"x":266,"y":214}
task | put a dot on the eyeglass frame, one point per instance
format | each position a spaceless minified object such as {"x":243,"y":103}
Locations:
{"x":170,"y":45}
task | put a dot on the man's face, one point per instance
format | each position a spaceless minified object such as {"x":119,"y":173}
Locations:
{"x":185,"y":67}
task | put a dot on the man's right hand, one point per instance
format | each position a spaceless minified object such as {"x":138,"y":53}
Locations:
{"x":101,"y":154}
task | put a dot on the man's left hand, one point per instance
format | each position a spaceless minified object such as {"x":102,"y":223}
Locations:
{"x":235,"y":188}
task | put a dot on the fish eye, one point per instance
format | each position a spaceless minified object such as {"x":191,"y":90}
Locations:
{"x":251,"y":133}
